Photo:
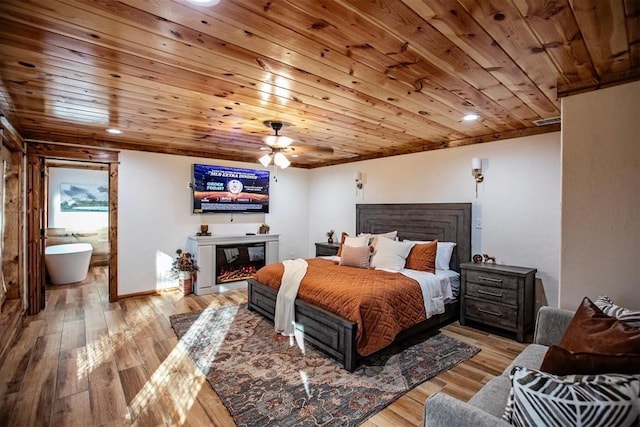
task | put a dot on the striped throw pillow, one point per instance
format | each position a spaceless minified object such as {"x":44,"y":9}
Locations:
{"x":607,"y":306}
{"x":540,"y":399}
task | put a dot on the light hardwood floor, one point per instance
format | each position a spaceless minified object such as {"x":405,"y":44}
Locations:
{"x":87,"y":362}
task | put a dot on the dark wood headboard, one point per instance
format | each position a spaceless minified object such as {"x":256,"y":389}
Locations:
{"x":447,"y":222}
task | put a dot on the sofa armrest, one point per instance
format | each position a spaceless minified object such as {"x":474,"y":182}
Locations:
{"x":441,"y":410}
{"x":550,"y":325}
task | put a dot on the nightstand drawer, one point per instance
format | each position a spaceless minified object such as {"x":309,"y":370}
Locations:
{"x":489,"y":278}
{"x":322,"y":251}
{"x":505,"y":296}
{"x":327,"y":249}
{"x":491,"y":313}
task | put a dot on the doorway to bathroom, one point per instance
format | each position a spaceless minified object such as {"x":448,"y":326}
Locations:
{"x":68,"y":189}
{"x":78,"y":206}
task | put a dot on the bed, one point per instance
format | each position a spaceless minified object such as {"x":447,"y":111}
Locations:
{"x":335,"y":335}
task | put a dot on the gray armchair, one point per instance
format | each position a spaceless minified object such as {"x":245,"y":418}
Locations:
{"x":487,"y":406}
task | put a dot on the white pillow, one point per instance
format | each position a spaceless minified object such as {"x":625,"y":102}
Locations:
{"x":443,"y":253}
{"x":374,"y":237}
{"x":356,"y":241}
{"x":391,"y":255}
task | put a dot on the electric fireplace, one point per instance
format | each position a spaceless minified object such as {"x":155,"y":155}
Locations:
{"x":225,"y":261}
{"x":238,"y":261}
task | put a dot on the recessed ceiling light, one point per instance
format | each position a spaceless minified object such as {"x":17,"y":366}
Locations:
{"x":470,"y":117}
{"x":204,"y":2}
{"x":114,"y":131}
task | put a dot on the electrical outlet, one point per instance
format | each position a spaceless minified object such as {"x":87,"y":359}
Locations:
{"x":479,"y":223}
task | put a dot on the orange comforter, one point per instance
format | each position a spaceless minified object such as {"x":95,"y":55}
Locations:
{"x":381,"y":303}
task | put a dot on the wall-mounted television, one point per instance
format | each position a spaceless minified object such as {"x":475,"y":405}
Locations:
{"x":219,"y":189}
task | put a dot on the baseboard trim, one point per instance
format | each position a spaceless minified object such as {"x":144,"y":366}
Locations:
{"x":146,"y":293}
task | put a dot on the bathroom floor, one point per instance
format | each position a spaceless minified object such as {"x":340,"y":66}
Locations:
{"x":87,"y":362}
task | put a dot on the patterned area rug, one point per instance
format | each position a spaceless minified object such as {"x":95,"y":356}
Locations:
{"x":265,"y":379}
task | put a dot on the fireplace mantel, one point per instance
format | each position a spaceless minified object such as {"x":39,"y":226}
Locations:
{"x":203,"y":249}
{"x":222,"y":239}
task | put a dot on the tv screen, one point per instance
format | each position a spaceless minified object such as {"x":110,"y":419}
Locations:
{"x":223,"y":189}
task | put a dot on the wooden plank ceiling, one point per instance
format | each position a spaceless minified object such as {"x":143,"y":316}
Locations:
{"x":365,"y":78}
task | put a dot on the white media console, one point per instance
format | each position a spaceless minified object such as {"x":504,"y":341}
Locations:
{"x":209,"y":252}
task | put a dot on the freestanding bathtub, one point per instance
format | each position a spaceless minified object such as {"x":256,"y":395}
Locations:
{"x":68,"y":263}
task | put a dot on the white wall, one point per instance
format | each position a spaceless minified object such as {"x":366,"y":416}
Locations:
{"x":518,"y":204}
{"x":601,"y":196}
{"x":76,"y":221}
{"x":154,"y":216}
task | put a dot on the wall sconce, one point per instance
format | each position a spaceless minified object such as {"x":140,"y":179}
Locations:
{"x":357,"y":176}
{"x":476,"y":171}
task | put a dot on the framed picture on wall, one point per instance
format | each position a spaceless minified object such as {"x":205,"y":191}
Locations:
{"x":84,"y":198}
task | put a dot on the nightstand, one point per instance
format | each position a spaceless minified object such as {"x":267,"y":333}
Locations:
{"x":327,"y":249}
{"x":501,"y":296}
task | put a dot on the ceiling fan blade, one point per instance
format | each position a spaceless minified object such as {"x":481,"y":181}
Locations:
{"x":311,"y":149}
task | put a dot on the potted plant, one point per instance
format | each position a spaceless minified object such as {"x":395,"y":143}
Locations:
{"x":330,"y":236}
{"x":183,"y":268}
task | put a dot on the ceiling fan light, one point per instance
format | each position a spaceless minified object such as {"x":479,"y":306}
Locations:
{"x":270,"y":140}
{"x":284,"y":141}
{"x":265,"y":160}
{"x":281,"y":160}
{"x":277,"y":141}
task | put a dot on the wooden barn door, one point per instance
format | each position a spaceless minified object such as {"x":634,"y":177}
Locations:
{"x":36,"y":204}
{"x":37,"y":155}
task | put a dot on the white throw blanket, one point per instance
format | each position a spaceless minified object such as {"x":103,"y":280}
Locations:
{"x":432,"y":292}
{"x":294,"y":271}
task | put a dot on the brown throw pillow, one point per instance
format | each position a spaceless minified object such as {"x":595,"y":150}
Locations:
{"x":342,"y":237}
{"x":559,"y":361}
{"x":423,"y":257}
{"x":592,"y":331}
{"x":355,"y":256}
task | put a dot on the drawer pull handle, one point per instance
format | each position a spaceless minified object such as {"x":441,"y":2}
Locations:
{"x":492,"y":313}
{"x":493,"y":294}
{"x":490,"y":279}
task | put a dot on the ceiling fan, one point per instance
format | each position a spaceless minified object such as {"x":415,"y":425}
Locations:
{"x":279,"y":146}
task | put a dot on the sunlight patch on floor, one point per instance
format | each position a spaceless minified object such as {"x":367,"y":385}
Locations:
{"x":104,"y":349}
{"x":173,"y":387}
{"x":298,"y":337}
{"x":305,"y":382}
{"x":176,"y":383}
